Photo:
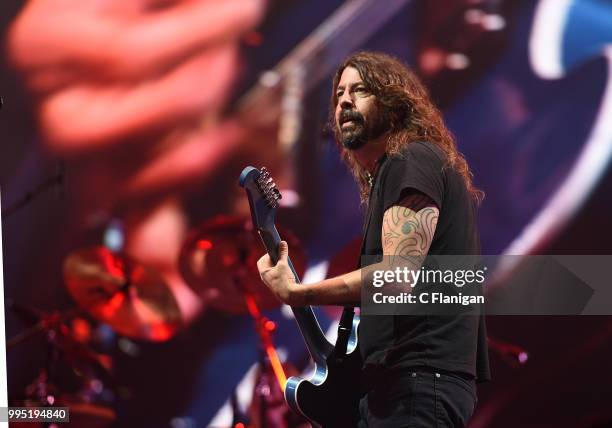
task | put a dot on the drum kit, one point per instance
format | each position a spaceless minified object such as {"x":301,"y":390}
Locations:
{"x":217,"y":261}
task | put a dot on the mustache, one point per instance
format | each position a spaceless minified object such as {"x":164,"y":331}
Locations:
{"x":348,"y":115}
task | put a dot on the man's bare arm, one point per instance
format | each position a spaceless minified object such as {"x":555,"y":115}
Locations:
{"x":407,"y":233}
{"x":409,"y":227}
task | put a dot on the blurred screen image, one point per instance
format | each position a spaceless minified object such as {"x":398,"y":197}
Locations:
{"x":132,"y":293}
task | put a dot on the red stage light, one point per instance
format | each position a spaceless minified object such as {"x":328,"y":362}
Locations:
{"x":270,"y":325}
{"x":204,"y":244}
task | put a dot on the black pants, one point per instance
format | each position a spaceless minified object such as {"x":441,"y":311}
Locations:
{"x":419,"y":399}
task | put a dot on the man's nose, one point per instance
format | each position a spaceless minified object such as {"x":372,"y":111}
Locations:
{"x":345,"y":101}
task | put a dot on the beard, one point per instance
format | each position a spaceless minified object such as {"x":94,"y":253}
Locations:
{"x":360,"y":131}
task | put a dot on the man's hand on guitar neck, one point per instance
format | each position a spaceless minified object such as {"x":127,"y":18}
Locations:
{"x":345,"y":289}
{"x":279,"y":278}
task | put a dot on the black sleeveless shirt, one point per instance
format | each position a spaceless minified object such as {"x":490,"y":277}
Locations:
{"x":447,"y":343}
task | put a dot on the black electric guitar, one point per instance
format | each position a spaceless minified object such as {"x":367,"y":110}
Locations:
{"x":330,"y":397}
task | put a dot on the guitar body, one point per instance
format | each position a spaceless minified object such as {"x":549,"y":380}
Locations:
{"x":330,"y":398}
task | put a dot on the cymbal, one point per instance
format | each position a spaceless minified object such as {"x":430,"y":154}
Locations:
{"x":133,"y":299}
{"x":219,"y":262}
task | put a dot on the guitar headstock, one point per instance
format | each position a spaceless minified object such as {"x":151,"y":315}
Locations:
{"x":263,"y":195}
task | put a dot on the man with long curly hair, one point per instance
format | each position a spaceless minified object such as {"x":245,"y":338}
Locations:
{"x":418,"y":371}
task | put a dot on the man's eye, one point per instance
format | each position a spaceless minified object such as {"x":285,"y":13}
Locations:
{"x":339,"y":94}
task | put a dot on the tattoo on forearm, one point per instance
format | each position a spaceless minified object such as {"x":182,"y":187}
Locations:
{"x":409,"y":227}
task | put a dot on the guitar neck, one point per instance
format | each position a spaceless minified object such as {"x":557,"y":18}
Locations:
{"x":316,"y":342}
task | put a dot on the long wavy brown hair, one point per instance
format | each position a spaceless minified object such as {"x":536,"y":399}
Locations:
{"x":406,"y":108}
